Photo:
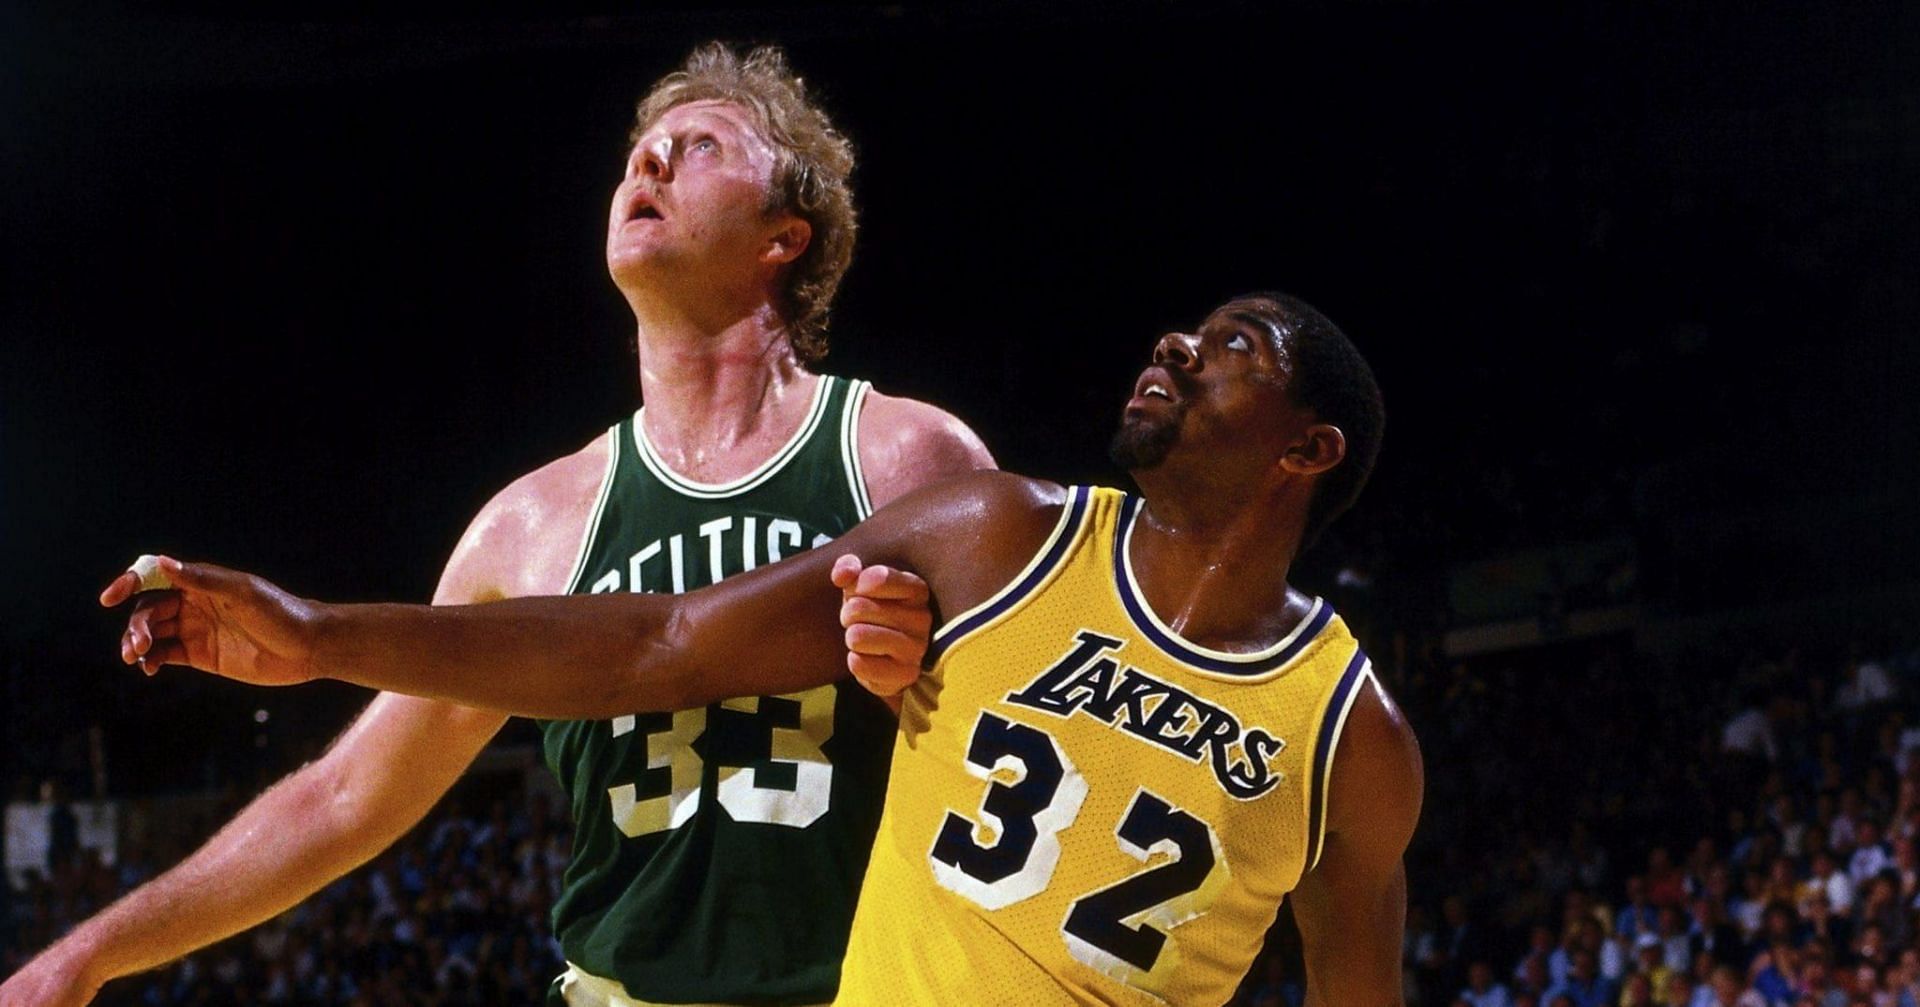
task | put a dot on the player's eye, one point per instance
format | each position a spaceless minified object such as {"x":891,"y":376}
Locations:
{"x":1239,"y":343}
{"x":705,"y":145}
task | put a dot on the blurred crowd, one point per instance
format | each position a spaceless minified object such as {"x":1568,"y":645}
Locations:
{"x":454,"y":914}
{"x":1604,"y":828}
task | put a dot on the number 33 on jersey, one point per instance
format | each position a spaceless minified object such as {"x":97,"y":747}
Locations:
{"x":1082,"y":801}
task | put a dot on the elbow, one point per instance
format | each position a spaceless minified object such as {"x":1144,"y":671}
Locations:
{"x":332,"y":798}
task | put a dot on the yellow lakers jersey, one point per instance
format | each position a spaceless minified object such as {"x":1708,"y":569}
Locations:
{"x":1085,"y":808}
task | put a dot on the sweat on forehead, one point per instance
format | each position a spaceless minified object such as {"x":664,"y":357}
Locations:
{"x":742,"y":117}
{"x":1268,"y":310}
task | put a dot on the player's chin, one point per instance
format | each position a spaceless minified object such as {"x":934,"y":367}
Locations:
{"x":1143,"y":440}
{"x":628,"y":255}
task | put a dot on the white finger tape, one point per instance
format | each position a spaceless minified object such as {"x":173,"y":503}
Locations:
{"x":152,"y":578}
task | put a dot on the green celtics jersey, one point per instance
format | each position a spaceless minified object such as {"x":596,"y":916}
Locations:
{"x":717,"y":852}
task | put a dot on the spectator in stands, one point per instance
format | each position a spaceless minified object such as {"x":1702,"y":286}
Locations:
{"x":1637,"y":991}
{"x":1749,"y":732}
{"x":1828,"y":882}
{"x":1531,"y":977}
{"x":1783,"y":883}
{"x":1676,"y":940}
{"x":1583,"y":986}
{"x":1666,"y":883}
{"x":1459,"y":942}
{"x":1649,"y":960}
{"x":1870,"y":855}
{"x":1639,"y":915}
{"x":1785,"y":819}
{"x":1714,"y":936}
{"x":1774,"y":973}
{"x":1864,"y":684}
{"x":1746,"y":910}
{"x":1842,"y":831}
{"x":1678,"y":991}
{"x":1482,"y":990}
{"x":1725,"y":989}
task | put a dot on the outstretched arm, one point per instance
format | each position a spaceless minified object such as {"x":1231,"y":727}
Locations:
{"x":773,"y":630}
{"x":1352,"y":908}
{"x":326,"y":818}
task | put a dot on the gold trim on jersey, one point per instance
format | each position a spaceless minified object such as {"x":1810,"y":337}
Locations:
{"x":767,"y":469}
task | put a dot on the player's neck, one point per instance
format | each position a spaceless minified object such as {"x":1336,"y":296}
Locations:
{"x":1214,"y":567}
{"x":715,"y":389}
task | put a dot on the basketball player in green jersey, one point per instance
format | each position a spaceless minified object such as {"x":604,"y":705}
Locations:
{"x":717,"y":851}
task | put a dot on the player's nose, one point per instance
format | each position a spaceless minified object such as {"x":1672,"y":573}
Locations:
{"x":656,"y":158}
{"x":1178,"y":349}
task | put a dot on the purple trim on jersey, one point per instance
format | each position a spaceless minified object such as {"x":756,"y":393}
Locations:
{"x":1323,"y":751}
{"x":1077,"y":500}
{"x":1137,"y":611}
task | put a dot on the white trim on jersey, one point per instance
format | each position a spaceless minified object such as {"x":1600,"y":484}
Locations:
{"x":1130,"y":583}
{"x":767,"y":470}
{"x":1329,"y":749}
{"x":850,"y":447}
{"x":1076,"y":515}
{"x":592,"y":532}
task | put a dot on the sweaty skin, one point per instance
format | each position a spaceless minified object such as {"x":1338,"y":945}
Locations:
{"x":1232,"y":494}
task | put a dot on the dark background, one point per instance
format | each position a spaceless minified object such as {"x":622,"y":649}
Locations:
{"x":297,"y":292}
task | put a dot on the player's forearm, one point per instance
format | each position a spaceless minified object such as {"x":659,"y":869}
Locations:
{"x":567,"y":658}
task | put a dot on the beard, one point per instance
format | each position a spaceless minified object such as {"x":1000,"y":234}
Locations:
{"x":1142,"y":443}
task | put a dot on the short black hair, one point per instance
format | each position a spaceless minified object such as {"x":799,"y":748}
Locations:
{"x":1327,"y":374}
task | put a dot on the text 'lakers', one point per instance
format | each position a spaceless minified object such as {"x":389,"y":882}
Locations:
{"x":1089,"y":680}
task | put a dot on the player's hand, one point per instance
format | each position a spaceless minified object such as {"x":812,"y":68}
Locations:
{"x":49,"y":981}
{"x":888,"y":621}
{"x":223,"y":621}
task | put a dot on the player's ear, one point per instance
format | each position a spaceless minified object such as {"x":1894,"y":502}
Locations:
{"x":1321,"y":446}
{"x":788,"y":241}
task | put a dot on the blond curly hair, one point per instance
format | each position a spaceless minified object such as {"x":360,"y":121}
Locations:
{"x":810,"y":174}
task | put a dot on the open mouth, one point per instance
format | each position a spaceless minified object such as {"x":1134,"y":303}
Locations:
{"x":1156,"y":383}
{"x":641,"y":207}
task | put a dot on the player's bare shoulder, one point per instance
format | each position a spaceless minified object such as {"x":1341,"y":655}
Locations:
{"x":525,"y":540}
{"x":905,"y":444}
{"x":970,"y":534}
{"x":1379,"y":779}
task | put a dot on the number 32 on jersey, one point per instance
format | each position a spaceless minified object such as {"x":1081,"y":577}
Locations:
{"x":1010,"y":853}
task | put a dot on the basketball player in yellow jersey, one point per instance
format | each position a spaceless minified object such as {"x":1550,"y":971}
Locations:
{"x":1135,"y":738}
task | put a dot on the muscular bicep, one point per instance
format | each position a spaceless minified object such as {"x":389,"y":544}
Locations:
{"x":1352,"y":906}
{"x":777,"y":628}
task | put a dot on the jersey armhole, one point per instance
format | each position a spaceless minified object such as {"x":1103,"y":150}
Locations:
{"x":850,"y":447}
{"x":591,"y":533}
{"x":1332,"y":725}
{"x":1046,"y":561}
